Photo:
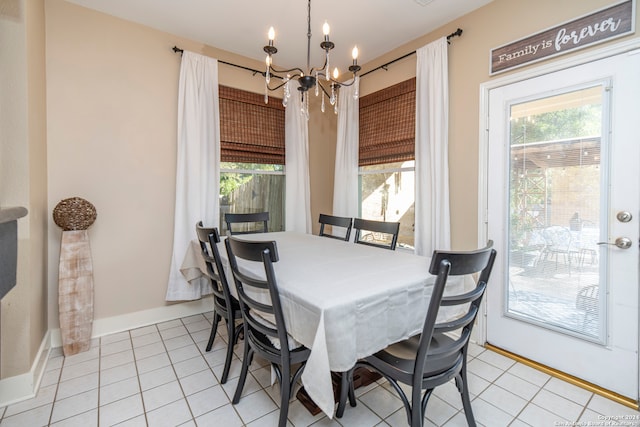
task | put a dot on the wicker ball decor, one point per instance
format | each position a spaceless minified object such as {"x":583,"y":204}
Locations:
{"x":74,"y":213}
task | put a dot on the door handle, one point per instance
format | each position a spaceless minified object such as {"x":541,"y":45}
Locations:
{"x":621,"y":242}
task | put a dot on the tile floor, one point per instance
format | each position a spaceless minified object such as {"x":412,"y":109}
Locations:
{"x":160,"y":375}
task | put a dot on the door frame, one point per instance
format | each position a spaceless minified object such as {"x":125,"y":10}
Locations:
{"x":480,"y":332}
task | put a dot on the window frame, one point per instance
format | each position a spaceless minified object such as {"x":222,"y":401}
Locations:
{"x":251,"y":132}
{"x":401,"y":246}
{"x":394,"y":108}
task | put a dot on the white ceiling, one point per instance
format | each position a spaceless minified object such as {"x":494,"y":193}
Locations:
{"x":240,"y":26}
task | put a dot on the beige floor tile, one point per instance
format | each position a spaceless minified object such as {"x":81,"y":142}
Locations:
{"x":165,"y":370}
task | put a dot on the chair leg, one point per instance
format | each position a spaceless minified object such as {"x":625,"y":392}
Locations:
{"x":352,"y":395}
{"x":285,"y":395}
{"x":239,"y":333}
{"x":346,"y":389}
{"x":418,"y":406}
{"x":246,"y":361}
{"x":214,"y":329}
{"x":231,"y":336}
{"x":461,"y":384}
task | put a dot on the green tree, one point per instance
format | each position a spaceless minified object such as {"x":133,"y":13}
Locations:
{"x":555,"y":125}
{"x":229,"y":181}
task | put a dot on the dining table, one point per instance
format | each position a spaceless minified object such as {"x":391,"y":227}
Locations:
{"x":344,"y":301}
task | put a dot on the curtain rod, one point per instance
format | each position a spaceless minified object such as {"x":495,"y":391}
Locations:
{"x":457,"y":32}
{"x":176,"y":49}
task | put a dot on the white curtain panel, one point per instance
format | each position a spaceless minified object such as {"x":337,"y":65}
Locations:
{"x":345,"y":182}
{"x":198,"y":168}
{"x":296,"y":138}
{"x":432,"y":222}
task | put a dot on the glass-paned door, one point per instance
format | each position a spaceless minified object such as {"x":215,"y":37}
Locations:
{"x":555,"y":175}
{"x":563,"y":209}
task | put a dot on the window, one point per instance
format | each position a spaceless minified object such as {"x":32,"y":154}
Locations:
{"x":387,"y":158}
{"x":252,"y":187}
{"x":387,"y":193}
{"x":252,"y":156}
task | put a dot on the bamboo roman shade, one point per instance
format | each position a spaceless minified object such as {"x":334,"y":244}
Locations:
{"x":388,"y":124}
{"x":250,"y":130}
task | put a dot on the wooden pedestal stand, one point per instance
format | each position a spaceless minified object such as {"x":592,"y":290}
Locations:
{"x":75,"y":274}
{"x":75,"y":292}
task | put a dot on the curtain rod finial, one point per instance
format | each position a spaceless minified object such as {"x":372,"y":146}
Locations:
{"x":457,"y":32}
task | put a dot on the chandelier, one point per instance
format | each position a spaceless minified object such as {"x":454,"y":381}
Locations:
{"x":310,"y":78}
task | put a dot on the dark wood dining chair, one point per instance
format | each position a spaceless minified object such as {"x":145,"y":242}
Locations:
{"x":335,"y":221}
{"x":380,"y":234}
{"x":253,"y":222}
{"x":225,"y":306}
{"x":266,"y":333}
{"x":439,"y":353}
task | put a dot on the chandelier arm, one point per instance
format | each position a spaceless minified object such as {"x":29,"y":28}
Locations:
{"x":271,"y":89}
{"x":314,"y":69}
{"x":353,"y":80}
{"x":273,"y":70}
{"x":332,"y":80}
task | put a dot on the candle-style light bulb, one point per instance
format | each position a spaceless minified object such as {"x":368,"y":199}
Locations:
{"x":335,"y":73}
{"x":325,"y":30}
{"x":354,"y":54}
{"x":271,"y":35}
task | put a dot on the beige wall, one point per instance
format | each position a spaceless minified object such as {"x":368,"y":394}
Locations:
{"x":111,"y":90}
{"x":112,"y":107}
{"x":36,"y":272}
{"x":322,"y":155}
{"x":23,"y":179}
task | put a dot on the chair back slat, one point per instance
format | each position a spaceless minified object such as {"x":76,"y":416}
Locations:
{"x":457,"y":323}
{"x":461,"y":262}
{"x":390,"y":229}
{"x":254,"y":307}
{"x":247,"y":219}
{"x":478,"y":264}
{"x":260,"y":316}
{"x":335,"y":221}
{"x":455,"y":347}
{"x":208,"y":237}
{"x":465,"y":298}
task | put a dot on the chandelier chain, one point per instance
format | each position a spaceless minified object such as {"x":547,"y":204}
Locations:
{"x":309,"y":36}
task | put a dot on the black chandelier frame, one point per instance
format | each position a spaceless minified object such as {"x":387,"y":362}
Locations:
{"x":310,"y":79}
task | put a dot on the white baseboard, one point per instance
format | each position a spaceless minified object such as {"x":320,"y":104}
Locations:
{"x":25,"y":386}
{"x":138,"y":319}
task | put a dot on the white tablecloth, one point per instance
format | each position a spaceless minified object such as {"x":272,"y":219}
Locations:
{"x":342,"y":300}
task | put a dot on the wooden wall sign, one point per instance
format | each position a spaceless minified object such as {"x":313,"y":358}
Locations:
{"x":605,"y":24}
